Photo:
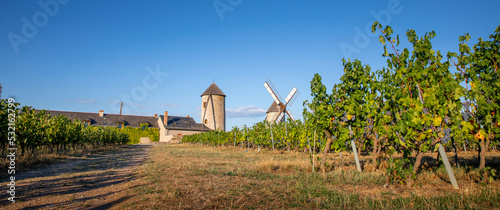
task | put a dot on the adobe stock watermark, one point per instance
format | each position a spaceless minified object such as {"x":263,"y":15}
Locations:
{"x":137,"y":94}
{"x":11,"y":156}
{"x":363,"y":38}
{"x":223,"y":6}
{"x":30,"y":26}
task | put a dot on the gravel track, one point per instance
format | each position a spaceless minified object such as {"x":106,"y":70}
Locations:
{"x":97,"y":181}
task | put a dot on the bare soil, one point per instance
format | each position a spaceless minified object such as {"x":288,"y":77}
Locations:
{"x":94,"y":181}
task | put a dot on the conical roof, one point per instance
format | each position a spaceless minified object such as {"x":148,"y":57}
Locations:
{"x":274,"y":108}
{"x":213,"y":89}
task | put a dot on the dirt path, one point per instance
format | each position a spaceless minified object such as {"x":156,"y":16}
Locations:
{"x":97,"y":181}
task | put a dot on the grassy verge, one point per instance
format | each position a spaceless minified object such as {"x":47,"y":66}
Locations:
{"x":30,"y":161}
{"x":189,"y":176}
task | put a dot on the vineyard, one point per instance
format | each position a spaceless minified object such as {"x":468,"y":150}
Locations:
{"x":36,"y":132}
{"x":422,"y":101}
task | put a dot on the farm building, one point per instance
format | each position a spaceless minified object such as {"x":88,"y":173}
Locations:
{"x":174,"y":127}
{"x":171,"y":128}
{"x":102,"y":119}
{"x":213,"y":117}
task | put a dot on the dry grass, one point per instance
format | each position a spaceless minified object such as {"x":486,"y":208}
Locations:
{"x":190,"y":176}
{"x":283,"y":165}
{"x":29,"y":161}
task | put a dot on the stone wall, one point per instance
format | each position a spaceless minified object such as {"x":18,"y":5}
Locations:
{"x":219,"y":107}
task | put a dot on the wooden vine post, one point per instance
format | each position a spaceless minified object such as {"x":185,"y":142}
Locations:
{"x":272,"y":137}
{"x":310,"y":152}
{"x":248,"y":142}
{"x":354,"y":150}
{"x":286,"y":137}
{"x":447,"y":165}
{"x":243,"y":142}
{"x":314,"y":151}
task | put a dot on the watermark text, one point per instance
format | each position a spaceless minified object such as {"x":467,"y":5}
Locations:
{"x":363,"y":37}
{"x":137,"y":94}
{"x":30,"y":27}
{"x":223,"y":6}
{"x":11,"y":156}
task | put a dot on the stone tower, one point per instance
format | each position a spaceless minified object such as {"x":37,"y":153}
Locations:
{"x":273,"y":112}
{"x":213,"y":108}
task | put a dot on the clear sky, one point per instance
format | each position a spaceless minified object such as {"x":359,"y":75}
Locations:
{"x":90,"y":55}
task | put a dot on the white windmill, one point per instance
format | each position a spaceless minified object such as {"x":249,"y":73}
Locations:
{"x":276,"y":113}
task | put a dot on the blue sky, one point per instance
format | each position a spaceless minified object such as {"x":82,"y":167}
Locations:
{"x":90,"y":55}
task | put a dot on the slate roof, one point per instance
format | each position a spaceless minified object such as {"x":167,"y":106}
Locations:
{"x":107,"y":119}
{"x":183,"y":123}
{"x":274,"y":107}
{"x":213,"y":89}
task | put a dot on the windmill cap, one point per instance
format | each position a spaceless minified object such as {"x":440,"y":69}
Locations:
{"x":274,"y":107}
{"x":213,"y":89}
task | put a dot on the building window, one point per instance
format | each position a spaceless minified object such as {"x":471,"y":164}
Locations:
{"x":120,"y":125}
{"x":144,"y":126}
{"x":86,"y":124}
{"x":206,"y":121}
{"x":205,"y":104}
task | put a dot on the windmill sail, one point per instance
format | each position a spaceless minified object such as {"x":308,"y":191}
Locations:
{"x":290,"y":115}
{"x":280,"y":117}
{"x":271,"y":85}
{"x":290,"y":102}
{"x":268,"y":88}
{"x":279,"y":102}
{"x":290,"y":95}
